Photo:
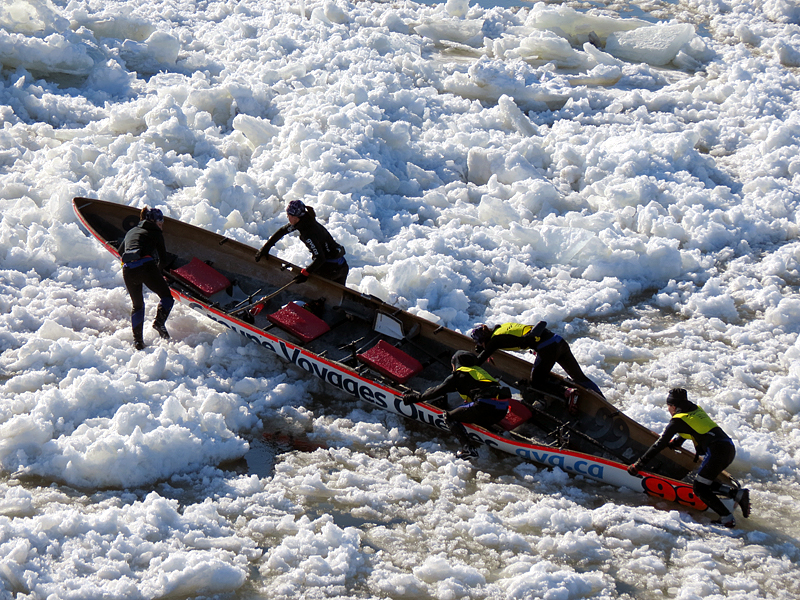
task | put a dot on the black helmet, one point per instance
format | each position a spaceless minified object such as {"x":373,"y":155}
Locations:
{"x":678,"y":398}
{"x":462,"y":358}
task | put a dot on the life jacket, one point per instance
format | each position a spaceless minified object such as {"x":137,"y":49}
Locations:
{"x":515,"y":329}
{"x":703,"y":425}
{"x":485,"y":383}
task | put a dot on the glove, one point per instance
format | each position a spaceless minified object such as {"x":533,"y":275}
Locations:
{"x":676,"y":443}
{"x":303,"y":276}
{"x":263,"y":252}
{"x":634,"y":469}
{"x":410,"y":398}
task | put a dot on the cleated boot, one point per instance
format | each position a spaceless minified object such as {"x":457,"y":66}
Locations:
{"x":572,"y":395}
{"x":743,"y":500}
{"x":159,"y":323}
{"x":726,"y":521}
{"x":467,"y":453}
{"x":138,"y":336}
{"x":161,"y":329}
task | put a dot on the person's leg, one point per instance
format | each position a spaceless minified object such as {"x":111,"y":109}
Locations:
{"x":341,"y":274}
{"x":545,"y":360}
{"x":567,"y":361}
{"x":465,"y":413}
{"x":705,"y":486}
{"x":156,"y":282}
{"x":133,"y":283}
{"x":334,"y":272}
{"x":479,"y":413}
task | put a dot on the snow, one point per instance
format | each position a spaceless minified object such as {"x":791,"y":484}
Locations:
{"x":631,"y":178}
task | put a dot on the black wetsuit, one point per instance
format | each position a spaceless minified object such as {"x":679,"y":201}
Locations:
{"x":710,"y":440}
{"x":549,"y":347}
{"x":486,"y":401}
{"x":327,"y":256}
{"x":142,"y":252}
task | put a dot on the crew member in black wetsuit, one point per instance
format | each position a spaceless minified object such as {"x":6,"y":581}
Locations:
{"x":485,"y":400}
{"x":549,"y":348}
{"x":689,"y":421}
{"x":142,"y":253}
{"x":327,"y":256}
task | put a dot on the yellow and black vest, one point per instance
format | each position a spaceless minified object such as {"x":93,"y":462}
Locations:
{"x":705,"y":430}
{"x":515,"y":329}
{"x":698,"y":420}
{"x":483,"y":381}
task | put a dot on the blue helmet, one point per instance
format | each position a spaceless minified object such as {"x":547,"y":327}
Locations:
{"x":296,"y":208}
{"x":154,"y":214}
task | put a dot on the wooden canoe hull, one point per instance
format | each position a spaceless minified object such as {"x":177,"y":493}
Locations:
{"x":598,"y":443}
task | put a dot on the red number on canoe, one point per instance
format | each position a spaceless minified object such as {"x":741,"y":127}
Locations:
{"x":683,"y":494}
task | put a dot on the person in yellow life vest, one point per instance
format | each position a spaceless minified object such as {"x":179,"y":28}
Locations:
{"x":485,"y":400}
{"x":549,"y":348}
{"x":689,"y":421}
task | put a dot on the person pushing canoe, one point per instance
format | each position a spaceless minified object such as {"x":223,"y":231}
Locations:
{"x":549,"y":347}
{"x":485,"y":400}
{"x":689,"y":421}
{"x":143,"y":253}
{"x":327,"y":256}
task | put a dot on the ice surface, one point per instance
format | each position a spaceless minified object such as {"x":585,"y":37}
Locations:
{"x":633,"y":183}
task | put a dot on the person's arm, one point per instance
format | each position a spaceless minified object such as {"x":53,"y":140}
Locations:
{"x":274,"y":239}
{"x":495,"y":343}
{"x":432,"y":393}
{"x":672,"y":429}
{"x":161,"y":250}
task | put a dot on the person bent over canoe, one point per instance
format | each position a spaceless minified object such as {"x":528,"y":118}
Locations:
{"x":689,"y":421}
{"x":327,"y":256}
{"x":548,"y":347}
{"x":485,"y":400}
{"x":142,"y":253}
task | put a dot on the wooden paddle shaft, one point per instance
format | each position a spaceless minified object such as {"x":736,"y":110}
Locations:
{"x":264,"y":299}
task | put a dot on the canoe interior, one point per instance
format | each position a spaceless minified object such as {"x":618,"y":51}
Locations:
{"x":599,"y":429}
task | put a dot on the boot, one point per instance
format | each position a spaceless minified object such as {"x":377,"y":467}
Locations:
{"x":726,"y":521}
{"x":467,"y":453}
{"x":161,"y":329}
{"x":138,"y":336}
{"x":572,"y":395}
{"x":159,"y":323}
{"x":743,"y":500}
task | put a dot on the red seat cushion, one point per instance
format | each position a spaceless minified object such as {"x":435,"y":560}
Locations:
{"x":298,"y":321}
{"x":517,"y":414}
{"x":391,"y":361}
{"x":204,"y":278}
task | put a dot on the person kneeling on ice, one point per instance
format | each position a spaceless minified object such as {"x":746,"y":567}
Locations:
{"x":485,"y":400}
{"x":689,"y":421}
{"x":327,"y":256}
{"x":142,"y":253}
{"x":548,"y":347}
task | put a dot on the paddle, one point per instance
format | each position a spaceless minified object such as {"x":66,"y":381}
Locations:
{"x":262,"y":300}
{"x":247,"y":300}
